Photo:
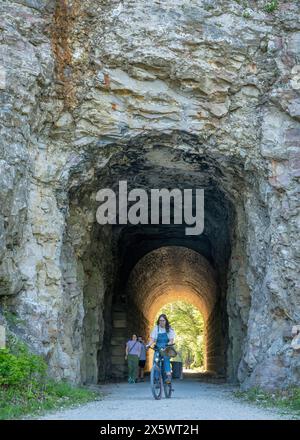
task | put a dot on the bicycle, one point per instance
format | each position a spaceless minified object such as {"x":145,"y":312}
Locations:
{"x":158,"y":375}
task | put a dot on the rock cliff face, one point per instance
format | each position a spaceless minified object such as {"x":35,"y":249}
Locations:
{"x":173,"y":93}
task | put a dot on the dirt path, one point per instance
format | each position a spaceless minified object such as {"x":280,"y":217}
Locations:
{"x":191,"y":400}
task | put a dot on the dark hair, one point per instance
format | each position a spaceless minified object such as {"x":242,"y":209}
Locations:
{"x":168,"y":325}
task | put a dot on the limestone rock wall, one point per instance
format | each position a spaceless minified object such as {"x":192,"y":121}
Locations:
{"x":81,"y":82}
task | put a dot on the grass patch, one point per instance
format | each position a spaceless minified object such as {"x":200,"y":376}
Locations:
{"x":33,"y":399}
{"x":26,"y":389}
{"x":271,"y":6}
{"x":246,"y":14}
{"x":288,"y":400}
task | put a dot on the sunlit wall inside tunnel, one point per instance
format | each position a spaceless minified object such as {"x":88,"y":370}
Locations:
{"x":175,"y":273}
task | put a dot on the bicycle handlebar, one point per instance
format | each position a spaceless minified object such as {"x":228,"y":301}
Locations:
{"x":168,"y":345}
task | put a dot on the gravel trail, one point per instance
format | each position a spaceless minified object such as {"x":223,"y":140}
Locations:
{"x":192,"y":400}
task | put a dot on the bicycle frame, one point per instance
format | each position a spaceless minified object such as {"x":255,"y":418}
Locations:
{"x":159,"y":362}
{"x":159,"y":359}
{"x":158,"y":376}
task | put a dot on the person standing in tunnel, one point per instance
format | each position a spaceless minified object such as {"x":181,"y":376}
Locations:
{"x":142,"y":360}
{"x":163,"y":335}
{"x":132,"y":355}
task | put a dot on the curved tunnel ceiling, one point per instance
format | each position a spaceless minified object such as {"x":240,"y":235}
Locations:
{"x":172,"y":273}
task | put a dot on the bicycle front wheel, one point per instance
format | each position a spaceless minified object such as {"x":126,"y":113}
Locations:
{"x":167,"y":386}
{"x":156,"y":382}
{"x":168,"y":390}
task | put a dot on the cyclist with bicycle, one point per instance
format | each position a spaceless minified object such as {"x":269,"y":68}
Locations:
{"x":163,"y":335}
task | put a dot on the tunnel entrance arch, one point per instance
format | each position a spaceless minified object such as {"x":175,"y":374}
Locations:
{"x":102,"y":258}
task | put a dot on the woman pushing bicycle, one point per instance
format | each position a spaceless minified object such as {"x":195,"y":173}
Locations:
{"x":163,"y":335}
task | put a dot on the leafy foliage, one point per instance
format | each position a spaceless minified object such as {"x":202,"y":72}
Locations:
{"x":17,"y":401}
{"x":19,"y":366}
{"x":188,"y":324}
{"x":25,"y":388}
{"x":271,"y":6}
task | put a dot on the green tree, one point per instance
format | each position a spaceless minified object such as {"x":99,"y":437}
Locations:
{"x":188,"y":323}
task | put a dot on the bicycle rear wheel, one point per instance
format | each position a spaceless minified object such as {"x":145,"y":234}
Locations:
{"x":156,"y":382}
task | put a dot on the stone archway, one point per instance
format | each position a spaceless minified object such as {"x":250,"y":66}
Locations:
{"x":174,"y":273}
{"x":101,"y":259}
{"x":96,"y":261}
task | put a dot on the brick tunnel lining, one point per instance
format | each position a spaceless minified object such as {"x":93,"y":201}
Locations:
{"x":173,"y":273}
